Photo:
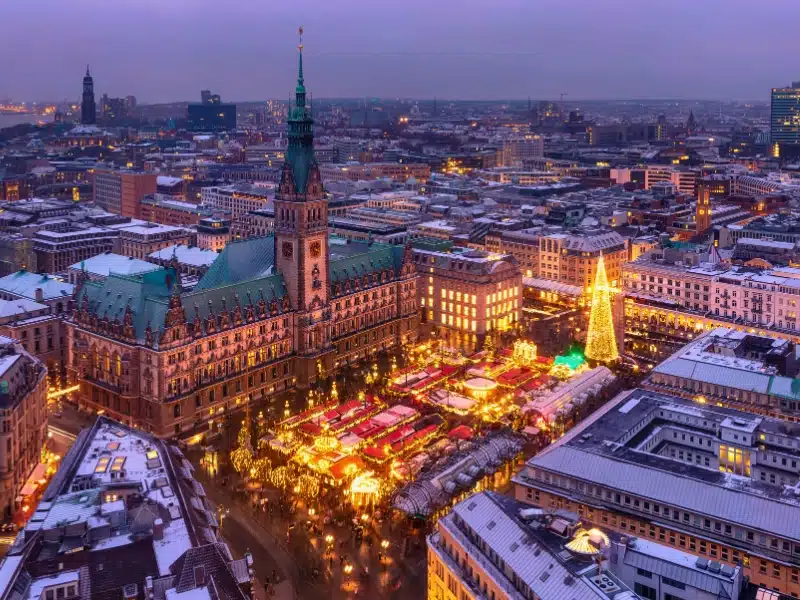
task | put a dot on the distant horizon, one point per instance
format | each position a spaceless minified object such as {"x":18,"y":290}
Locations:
{"x":504,"y":49}
{"x":567,"y":101}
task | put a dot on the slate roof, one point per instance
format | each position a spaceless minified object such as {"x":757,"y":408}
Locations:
{"x":214,"y":559}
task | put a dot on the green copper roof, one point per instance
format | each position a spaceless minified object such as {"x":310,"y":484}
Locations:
{"x":357,"y":259}
{"x":432,"y":244}
{"x":300,"y":150}
{"x":242,"y":294}
{"x":240,"y":261}
{"x":147,"y":294}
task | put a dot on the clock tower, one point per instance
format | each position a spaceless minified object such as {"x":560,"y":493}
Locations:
{"x":301,"y":235}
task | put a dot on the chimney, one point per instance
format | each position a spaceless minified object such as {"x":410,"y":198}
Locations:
{"x":39,"y":295}
{"x":199,"y":576}
{"x":158,"y":529}
{"x":148,"y":587}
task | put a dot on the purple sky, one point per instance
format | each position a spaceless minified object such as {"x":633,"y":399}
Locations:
{"x":162,"y":50}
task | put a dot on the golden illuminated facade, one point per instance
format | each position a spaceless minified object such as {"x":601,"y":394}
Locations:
{"x":466,"y":295}
{"x":703,"y":209}
{"x":567,"y":258}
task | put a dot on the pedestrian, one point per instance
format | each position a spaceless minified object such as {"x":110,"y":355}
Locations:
{"x":274,"y":576}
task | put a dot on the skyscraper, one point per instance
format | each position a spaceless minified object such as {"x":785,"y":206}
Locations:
{"x":88,"y":108}
{"x":785,"y":121}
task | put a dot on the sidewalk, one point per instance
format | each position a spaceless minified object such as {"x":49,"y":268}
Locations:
{"x":246,"y":533}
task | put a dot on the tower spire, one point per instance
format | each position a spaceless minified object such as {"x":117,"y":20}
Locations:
{"x":300,"y":82}
{"x":87,"y":70}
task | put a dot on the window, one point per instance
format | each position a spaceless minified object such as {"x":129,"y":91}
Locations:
{"x":644,"y":573}
{"x":673,"y":583}
{"x":645,"y":591}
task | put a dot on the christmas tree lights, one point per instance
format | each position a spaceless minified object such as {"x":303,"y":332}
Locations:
{"x":601,"y":343}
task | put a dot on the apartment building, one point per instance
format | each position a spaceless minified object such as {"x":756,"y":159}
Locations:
{"x":23,"y":420}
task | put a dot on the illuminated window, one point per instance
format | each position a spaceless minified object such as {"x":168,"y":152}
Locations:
{"x":458,"y":296}
{"x":450,"y":294}
{"x":458,"y":309}
{"x":444,"y":293}
{"x":444,"y":305}
{"x":474,"y":324}
{"x":474,"y":299}
{"x":458,"y":322}
{"x":430,"y":290}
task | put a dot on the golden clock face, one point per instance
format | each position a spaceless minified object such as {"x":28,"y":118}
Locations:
{"x":287,"y":249}
{"x":316,"y":249}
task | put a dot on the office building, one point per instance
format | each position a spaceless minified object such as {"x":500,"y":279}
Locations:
{"x":121,"y":192}
{"x":466,"y":294}
{"x":568,"y":258}
{"x":57,"y":250}
{"x":707,"y":480}
{"x":237,"y":199}
{"x":749,"y":372}
{"x":491,"y":546}
{"x":399,"y":172}
{"x":213,"y":233}
{"x":140,"y":240}
{"x":175,"y":213}
{"x":88,"y":108}
{"x":123,"y":518}
{"x":23,"y":411}
{"x":211,"y":114}
{"x":785,"y":121}
{"x":517,"y":150}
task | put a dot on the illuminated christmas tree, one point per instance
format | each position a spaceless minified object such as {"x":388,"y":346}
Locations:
{"x":601,"y":343}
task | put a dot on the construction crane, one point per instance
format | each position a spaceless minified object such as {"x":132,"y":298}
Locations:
{"x":561,"y":102}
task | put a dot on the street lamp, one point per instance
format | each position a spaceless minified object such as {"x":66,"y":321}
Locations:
{"x":384,"y":544}
{"x":222,"y":512}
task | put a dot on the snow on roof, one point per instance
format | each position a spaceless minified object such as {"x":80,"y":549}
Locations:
{"x":186,"y":255}
{"x":20,"y":306}
{"x":511,"y":541}
{"x":25,"y":284}
{"x":107,"y":263}
{"x":41,"y":584}
{"x":729,"y":504}
{"x":8,"y":570}
{"x":6,"y":362}
{"x":169,"y":549}
{"x":168,"y":181}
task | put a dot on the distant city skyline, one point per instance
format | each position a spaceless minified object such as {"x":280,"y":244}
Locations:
{"x":168,"y":50}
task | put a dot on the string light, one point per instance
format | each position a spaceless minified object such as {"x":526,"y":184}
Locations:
{"x":601,"y":343}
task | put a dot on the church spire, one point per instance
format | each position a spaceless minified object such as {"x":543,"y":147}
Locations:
{"x":300,"y":160}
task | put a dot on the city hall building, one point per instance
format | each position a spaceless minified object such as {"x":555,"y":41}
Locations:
{"x":271,"y":313}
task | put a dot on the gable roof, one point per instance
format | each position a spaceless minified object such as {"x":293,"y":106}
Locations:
{"x":147,"y":294}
